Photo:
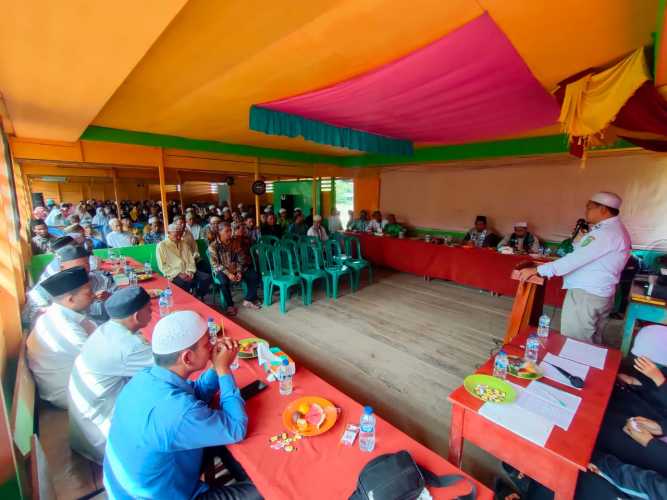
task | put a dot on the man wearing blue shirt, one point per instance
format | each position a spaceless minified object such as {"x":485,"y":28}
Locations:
{"x":162,"y":421}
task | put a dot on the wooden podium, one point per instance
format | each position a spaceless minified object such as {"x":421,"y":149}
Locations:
{"x":527,"y":307}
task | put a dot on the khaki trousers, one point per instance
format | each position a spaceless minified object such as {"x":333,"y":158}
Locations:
{"x":584,"y":315}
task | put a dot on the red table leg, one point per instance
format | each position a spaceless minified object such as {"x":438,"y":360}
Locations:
{"x":566,"y":483}
{"x":456,"y":436}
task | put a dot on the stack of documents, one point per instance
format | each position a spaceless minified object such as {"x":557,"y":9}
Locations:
{"x":535,"y":411}
{"x":586,"y":354}
{"x":572,"y":367}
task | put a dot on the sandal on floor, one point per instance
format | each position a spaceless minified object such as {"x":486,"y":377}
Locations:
{"x":251,"y":305}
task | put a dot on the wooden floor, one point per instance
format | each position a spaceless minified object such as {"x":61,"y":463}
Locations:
{"x":401,"y":345}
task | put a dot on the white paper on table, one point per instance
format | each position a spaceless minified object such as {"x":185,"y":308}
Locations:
{"x":586,"y":354}
{"x":568,"y":365}
{"x":558,"y":407}
{"x":514,"y":418}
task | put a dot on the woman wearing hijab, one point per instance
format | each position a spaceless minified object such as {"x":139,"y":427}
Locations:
{"x":83,"y":214}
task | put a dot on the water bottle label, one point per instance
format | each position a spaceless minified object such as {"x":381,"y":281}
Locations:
{"x":366,"y":427}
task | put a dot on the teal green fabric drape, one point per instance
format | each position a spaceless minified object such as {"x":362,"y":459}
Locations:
{"x":279,"y":123}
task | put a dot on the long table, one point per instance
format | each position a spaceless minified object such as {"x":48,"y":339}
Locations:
{"x":320,"y":467}
{"x":482,"y":268}
{"x":565,"y":453}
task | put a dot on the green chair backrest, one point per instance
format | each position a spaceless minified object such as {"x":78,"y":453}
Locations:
{"x":290,"y":237}
{"x":38,"y":263}
{"x":262,"y":257}
{"x":308,"y":239}
{"x":269,"y":239}
{"x":310,"y":255}
{"x":284,"y":261}
{"x":353,"y":247}
{"x":332,"y":252}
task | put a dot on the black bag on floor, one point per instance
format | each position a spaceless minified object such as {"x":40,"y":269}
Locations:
{"x":396,"y":476}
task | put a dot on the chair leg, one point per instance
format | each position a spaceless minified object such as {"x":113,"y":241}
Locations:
{"x":354,"y":282}
{"x":370,"y":275}
{"x":283,"y":299}
{"x":307,"y":297}
{"x":334,"y":282}
{"x":326,"y":287}
{"x":268,"y":292}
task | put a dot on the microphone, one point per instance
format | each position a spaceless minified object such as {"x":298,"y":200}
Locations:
{"x":581,"y":225}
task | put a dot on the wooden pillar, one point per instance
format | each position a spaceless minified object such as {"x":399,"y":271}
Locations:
{"x":180,"y":191}
{"x":315,"y":194}
{"x":257,"y":196}
{"x":114,"y":177}
{"x":163,"y":190}
{"x":332,"y":197}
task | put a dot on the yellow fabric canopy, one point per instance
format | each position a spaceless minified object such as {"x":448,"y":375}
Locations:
{"x":592,"y":102}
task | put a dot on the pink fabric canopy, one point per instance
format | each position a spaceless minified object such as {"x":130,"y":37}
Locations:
{"x":469,"y":85}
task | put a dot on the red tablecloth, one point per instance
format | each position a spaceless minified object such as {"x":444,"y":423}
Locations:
{"x":321,"y":467}
{"x":477,"y":267}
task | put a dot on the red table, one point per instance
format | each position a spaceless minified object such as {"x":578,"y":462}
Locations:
{"x":321,"y":467}
{"x":482,"y":268}
{"x":557,"y":464}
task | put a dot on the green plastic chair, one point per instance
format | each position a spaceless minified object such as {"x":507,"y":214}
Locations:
{"x":284,"y":276}
{"x":262,"y":258}
{"x":311,"y":268}
{"x":334,"y":268}
{"x":356,"y":261}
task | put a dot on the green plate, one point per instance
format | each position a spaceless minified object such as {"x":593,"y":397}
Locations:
{"x":250,"y":340}
{"x":518,"y":361}
{"x":471,"y":382}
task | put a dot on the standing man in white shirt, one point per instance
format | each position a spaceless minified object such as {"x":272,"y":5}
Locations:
{"x":56,"y":340}
{"x":109,"y":358}
{"x":317,"y":229}
{"x":592,"y":271}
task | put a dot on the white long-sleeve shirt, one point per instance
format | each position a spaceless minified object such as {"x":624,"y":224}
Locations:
{"x":596,"y":263}
{"x":108,"y":359}
{"x":318,"y":232}
{"x":52,"y":347}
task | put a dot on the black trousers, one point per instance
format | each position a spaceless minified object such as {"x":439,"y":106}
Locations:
{"x":199,"y":285}
{"x":249,"y":277}
{"x":243,"y":489}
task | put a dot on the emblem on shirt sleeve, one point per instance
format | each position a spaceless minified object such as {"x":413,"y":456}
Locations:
{"x":587,"y":241}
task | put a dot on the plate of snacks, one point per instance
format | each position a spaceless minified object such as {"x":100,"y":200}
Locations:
{"x":489,"y":389}
{"x":144,"y":277}
{"x":310,"y":416}
{"x":523,"y":368}
{"x":248,"y":347}
{"x":154,"y":292}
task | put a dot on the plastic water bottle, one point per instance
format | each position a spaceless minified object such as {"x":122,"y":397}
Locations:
{"x":148,"y":270}
{"x":532,"y":348}
{"x":367,"y":430}
{"x":169,"y":294}
{"x":500,"y":365}
{"x":163,"y":305}
{"x":132,"y":278}
{"x":543,"y":328}
{"x":235,"y":364}
{"x":285,"y":378}
{"x":213,"y":330}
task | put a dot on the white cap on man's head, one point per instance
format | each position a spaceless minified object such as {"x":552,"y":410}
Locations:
{"x":521,"y":224}
{"x":611,"y":200}
{"x":226,"y":209}
{"x":317,"y":217}
{"x":177,"y":331}
{"x":283,"y":210}
{"x":267,"y":210}
{"x":173,"y":227}
{"x":152,"y":219}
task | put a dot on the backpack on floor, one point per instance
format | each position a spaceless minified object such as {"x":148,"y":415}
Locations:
{"x":396,"y":476}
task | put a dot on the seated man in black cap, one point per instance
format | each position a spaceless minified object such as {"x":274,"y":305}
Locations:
{"x":109,"y":358}
{"x":480,"y":235}
{"x":59,"y":333}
